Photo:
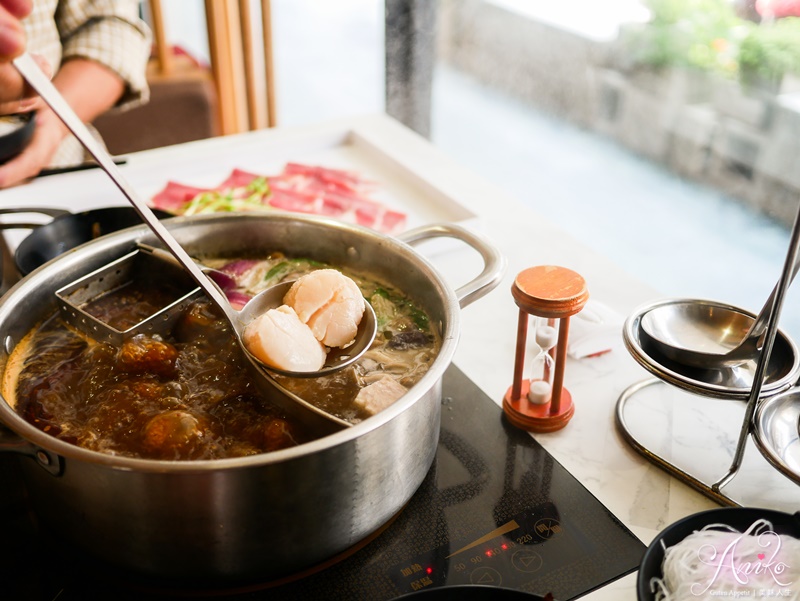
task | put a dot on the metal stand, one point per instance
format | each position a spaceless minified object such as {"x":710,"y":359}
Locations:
{"x":714,"y":491}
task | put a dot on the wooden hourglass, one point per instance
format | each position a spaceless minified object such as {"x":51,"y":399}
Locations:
{"x":553,"y":293}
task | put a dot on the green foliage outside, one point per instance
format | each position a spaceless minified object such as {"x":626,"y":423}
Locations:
{"x":771,"y":50}
{"x":708,"y":35}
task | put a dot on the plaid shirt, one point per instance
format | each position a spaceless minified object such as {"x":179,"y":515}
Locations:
{"x":109,"y":32}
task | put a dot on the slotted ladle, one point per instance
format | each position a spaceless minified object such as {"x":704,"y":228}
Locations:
{"x":267,"y":299}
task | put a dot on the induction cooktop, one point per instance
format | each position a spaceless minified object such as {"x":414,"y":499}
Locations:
{"x":496,"y":510}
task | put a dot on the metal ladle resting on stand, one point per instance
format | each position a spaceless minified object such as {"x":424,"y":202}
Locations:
{"x":754,"y":401}
{"x":265,"y":300}
{"x":690,"y":334}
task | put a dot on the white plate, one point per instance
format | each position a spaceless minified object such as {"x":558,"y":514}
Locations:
{"x":369,"y":146}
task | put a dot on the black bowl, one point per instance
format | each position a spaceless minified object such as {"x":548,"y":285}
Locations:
{"x":15,"y":141}
{"x":740,"y":518}
{"x":65,"y":232}
{"x":469,"y":592}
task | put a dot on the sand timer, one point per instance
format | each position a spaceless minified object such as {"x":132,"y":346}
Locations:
{"x":552,"y":294}
{"x":540,"y":389}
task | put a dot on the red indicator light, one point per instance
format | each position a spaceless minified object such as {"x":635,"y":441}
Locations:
{"x":504,"y":546}
{"x":429,"y":571}
{"x":488,"y":554}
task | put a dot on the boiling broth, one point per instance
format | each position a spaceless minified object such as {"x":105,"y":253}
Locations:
{"x":189,"y":395}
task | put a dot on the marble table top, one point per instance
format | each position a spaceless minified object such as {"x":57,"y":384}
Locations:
{"x":696,"y":433}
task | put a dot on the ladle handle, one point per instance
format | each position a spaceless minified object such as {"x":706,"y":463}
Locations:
{"x":31,"y":72}
{"x":762,"y":319}
{"x":774,"y":307}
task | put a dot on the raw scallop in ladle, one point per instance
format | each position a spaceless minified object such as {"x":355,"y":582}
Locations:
{"x":341,"y":314}
{"x":311,"y":326}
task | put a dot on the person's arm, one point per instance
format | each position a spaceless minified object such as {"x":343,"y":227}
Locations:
{"x":105,"y":52}
{"x":110,"y":33}
{"x":12,"y":36}
{"x":90,"y":89}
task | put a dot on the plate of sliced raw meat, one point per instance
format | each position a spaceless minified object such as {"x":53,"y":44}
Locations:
{"x":299,"y":188}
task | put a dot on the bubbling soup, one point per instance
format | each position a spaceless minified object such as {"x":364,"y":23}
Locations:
{"x":187,"y":394}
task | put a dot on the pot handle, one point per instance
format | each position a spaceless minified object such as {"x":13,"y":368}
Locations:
{"x":29,"y":226}
{"x":12,"y":443}
{"x":494,"y":264}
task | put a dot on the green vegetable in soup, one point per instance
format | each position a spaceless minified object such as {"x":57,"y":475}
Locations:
{"x":280,"y":271}
{"x":388,"y":305}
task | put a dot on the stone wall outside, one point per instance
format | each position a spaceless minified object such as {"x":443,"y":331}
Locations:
{"x":700,"y":126}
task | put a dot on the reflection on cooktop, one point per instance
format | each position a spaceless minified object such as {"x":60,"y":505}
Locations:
{"x":495,"y":509}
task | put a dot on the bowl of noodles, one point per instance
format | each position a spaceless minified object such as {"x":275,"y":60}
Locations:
{"x":731,"y":552}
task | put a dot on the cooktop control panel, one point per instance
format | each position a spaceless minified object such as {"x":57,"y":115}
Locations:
{"x":509,"y":556}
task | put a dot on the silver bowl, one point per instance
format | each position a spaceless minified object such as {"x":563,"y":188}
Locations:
{"x":732,"y":383}
{"x":775,"y":430}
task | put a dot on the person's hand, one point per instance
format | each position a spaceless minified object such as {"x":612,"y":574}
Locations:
{"x":12,"y":44}
{"x":12,"y":36}
{"x":89,"y":88}
{"x":47,"y":135}
{"x":16,"y":96}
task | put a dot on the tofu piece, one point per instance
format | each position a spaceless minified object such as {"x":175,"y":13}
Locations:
{"x":379,"y":395}
{"x":330,"y":303}
{"x":279,"y":339}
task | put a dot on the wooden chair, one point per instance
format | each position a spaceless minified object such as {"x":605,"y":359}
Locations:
{"x":190,"y":102}
{"x":233,"y":59}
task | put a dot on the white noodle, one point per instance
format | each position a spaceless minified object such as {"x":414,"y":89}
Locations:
{"x":719,"y":562}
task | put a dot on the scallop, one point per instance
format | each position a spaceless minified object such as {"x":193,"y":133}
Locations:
{"x":330,"y":303}
{"x":279,"y":339}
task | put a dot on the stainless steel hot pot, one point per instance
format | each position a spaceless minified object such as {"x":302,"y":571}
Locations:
{"x":265,"y":516}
